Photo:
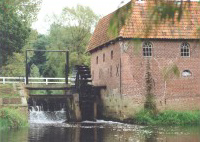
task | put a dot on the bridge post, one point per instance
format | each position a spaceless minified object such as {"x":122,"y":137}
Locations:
{"x":46,"y":81}
{"x":67,"y":67}
{"x":26,"y":69}
{"x":4,"y":80}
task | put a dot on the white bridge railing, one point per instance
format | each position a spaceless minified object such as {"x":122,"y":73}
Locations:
{"x":34,"y":80}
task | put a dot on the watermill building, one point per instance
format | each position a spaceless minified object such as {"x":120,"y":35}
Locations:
{"x":119,"y":62}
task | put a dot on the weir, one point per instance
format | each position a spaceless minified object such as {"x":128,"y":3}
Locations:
{"x":77,"y":103}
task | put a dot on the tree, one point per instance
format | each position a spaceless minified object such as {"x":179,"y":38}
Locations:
{"x":39,"y":58}
{"x":26,"y":9}
{"x":71,"y":30}
{"x":13,"y":34}
{"x":15,"y":66}
{"x":34,"y":71}
{"x":16,"y":17}
{"x":80,"y":22}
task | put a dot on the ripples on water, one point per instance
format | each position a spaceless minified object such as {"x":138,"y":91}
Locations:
{"x":49,"y":127}
{"x":100,"y":131}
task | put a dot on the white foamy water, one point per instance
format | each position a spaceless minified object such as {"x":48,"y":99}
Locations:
{"x":37,"y":115}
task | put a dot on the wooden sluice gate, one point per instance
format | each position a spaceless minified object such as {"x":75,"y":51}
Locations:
{"x":78,"y":100}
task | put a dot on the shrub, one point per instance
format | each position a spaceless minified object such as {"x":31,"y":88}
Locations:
{"x":12,"y":118}
{"x":169,"y":117}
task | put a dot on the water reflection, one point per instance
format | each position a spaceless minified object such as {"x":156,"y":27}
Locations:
{"x":15,"y":135}
{"x":100,"y":132}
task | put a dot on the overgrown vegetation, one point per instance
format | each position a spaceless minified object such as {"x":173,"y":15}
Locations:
{"x":119,"y":19}
{"x":169,"y":117}
{"x":12,"y":118}
{"x":159,"y":11}
{"x":149,"y":104}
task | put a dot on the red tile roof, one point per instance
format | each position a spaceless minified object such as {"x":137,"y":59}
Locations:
{"x":139,"y":23}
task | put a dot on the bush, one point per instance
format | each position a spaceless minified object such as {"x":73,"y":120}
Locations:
{"x":169,"y":117}
{"x":144,"y":117}
{"x":12,"y":118}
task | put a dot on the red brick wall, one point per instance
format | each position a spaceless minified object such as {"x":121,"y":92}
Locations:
{"x":174,"y":93}
{"x":104,"y":73}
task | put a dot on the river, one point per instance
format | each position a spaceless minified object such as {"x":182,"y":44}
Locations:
{"x":46,"y":126}
{"x":100,"y":131}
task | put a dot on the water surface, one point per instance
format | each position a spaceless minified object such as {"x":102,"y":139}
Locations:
{"x":100,"y":131}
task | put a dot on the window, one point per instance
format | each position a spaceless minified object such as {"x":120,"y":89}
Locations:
{"x":185,"y":49}
{"x":186,"y":73}
{"x":97,"y":58}
{"x":147,"y":49}
{"x":111,"y":54}
{"x":104,"y":57}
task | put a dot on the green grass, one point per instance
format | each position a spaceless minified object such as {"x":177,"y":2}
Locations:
{"x":12,"y":118}
{"x":9,"y":96}
{"x":47,"y":92}
{"x":169,"y":117}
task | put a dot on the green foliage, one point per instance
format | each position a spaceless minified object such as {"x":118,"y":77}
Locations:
{"x":15,"y":66}
{"x":149,"y":104}
{"x":39,"y":58}
{"x":161,"y":11}
{"x":34,"y":71}
{"x":79,"y":16}
{"x":169,"y":10}
{"x":16,"y":17}
{"x":12,"y":118}
{"x":14,"y":33}
{"x":168,"y":117}
{"x":26,"y":9}
{"x":119,"y":19}
{"x":71,"y":32}
{"x":144,"y":117}
{"x":170,"y":71}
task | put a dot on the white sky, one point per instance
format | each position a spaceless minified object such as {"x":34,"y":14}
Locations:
{"x":50,"y":7}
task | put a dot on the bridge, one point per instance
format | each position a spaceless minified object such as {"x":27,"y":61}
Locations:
{"x":35,"y":80}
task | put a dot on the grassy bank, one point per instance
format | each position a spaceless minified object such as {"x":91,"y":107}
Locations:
{"x":12,"y":118}
{"x":167,"y":118}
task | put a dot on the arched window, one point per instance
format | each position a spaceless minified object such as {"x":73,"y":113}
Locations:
{"x":97,"y":58}
{"x":147,"y":49}
{"x":185,"y":49}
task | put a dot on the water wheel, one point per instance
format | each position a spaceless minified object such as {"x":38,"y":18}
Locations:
{"x":85,"y":90}
{"x":83,"y":77}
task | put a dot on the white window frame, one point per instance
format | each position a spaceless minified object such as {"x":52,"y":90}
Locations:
{"x":185,"y":46}
{"x":147,"y":48}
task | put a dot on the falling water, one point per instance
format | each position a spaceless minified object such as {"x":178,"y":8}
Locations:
{"x":47,"y":110}
{"x":38,"y":115}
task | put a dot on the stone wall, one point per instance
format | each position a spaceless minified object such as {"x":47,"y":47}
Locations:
{"x":14,"y":95}
{"x":126,"y":88}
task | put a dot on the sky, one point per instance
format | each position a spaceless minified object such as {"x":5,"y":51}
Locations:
{"x":50,"y":7}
